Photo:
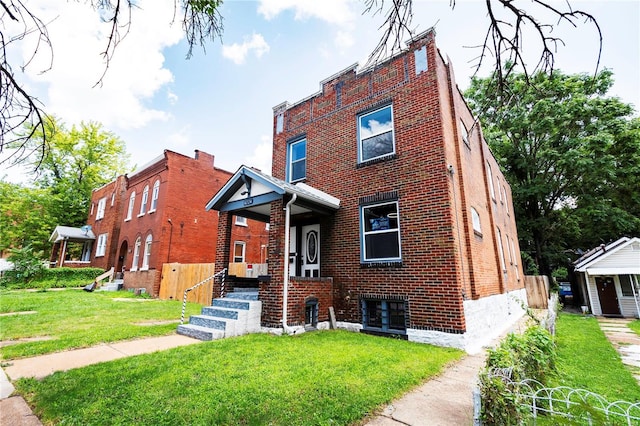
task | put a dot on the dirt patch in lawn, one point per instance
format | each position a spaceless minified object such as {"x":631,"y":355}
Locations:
{"x":4,"y":343}
{"x":8,"y":314}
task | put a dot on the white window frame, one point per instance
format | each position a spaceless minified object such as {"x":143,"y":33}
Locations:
{"x":145,"y":199}
{"x":363,"y":116}
{"x":136,"y":254}
{"x":501,"y":251}
{"x":154,"y":196}
{"x":147,"y":253}
{"x":102,"y":205}
{"x":241,"y":221}
{"x":464,"y":132}
{"x":132,"y":202}
{"x":364,"y":234}
{"x":243,"y":256}
{"x":101,"y":246}
{"x":492,"y":190}
{"x":475,"y":221}
{"x":291,"y":161}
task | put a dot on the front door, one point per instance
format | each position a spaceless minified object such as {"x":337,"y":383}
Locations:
{"x":311,"y":250}
{"x":608,"y":296}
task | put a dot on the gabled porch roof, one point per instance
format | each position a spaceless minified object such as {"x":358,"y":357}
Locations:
{"x":594,"y":262}
{"x":249,"y":193}
{"x":69,"y":233}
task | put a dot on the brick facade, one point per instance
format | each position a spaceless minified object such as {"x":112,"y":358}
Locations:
{"x":434,"y":175}
{"x":175,"y":221}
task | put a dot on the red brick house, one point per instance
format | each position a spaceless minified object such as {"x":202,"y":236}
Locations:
{"x":156,"y":215}
{"x":386,"y":205}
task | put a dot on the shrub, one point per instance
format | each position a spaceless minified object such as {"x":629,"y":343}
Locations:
{"x":57,"y":278}
{"x":27,"y":265}
{"x":531,"y":355}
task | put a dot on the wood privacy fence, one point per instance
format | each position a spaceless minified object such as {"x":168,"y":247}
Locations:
{"x":537,"y":287}
{"x":177,"y":277}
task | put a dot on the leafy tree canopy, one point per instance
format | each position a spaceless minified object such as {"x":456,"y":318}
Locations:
{"x":571,"y":155}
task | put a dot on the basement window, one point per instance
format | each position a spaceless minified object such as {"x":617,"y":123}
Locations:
{"x":311,"y":313}
{"x":385,"y":316}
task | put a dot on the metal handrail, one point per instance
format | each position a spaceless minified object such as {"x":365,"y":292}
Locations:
{"x":222,"y":273}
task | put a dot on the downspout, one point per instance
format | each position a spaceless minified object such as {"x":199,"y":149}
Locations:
{"x":285,"y":281}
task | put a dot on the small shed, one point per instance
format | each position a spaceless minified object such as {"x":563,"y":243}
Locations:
{"x":611,"y":275}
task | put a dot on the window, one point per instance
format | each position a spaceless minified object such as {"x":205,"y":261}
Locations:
{"x":297,"y":160}
{"x":154,"y":196}
{"x":238,"y":251}
{"x":311,"y":313}
{"x":506,"y":203}
{"x":101,"y":247}
{"x":626,"y":283}
{"x":501,"y":251}
{"x":515,"y":259}
{"x":420,"y":56}
{"x":145,"y":198}
{"x":499,"y":190}
{"x":464,"y":133}
{"x":380,"y":232}
{"x":132,"y":201}
{"x":384,"y":315}
{"x":147,"y":252}
{"x":113,"y":199}
{"x":375,"y":133}
{"x":475,"y":220}
{"x":136,"y":255}
{"x":102,"y":204}
{"x":490,"y":182}
{"x":241,"y":221}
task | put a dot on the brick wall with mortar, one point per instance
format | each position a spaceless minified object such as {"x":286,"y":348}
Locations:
{"x":113,"y":194}
{"x":182,"y":230}
{"x":438,"y":252}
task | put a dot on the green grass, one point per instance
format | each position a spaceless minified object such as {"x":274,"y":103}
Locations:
{"x":587,"y":360}
{"x":635,"y":326}
{"x":319,"y":378}
{"x":75,"y":319}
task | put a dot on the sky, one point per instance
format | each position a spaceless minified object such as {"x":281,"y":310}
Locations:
{"x":221,"y":100}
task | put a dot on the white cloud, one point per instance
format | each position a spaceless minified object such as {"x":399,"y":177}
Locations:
{"x":172,"y":97}
{"x":262,"y":154}
{"x":238,"y":52}
{"x":134,"y":75}
{"x":344,"y":40}
{"x":332,"y":11}
{"x":180,"y":139}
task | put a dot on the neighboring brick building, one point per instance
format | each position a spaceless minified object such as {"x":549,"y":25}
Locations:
{"x":156,"y":215}
{"x":404,"y":223}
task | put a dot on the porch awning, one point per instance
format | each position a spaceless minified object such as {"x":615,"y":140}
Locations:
{"x":72,"y":234}
{"x":249,"y":193}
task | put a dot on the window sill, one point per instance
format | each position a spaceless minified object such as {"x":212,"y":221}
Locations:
{"x":246,"y":225}
{"x":152,"y":211}
{"x":141,"y":214}
{"x":133,"y":270}
{"x":127,"y":219}
{"x":383,"y":264}
{"x":144,"y":269}
{"x":377,"y":160}
{"x":477,"y":233}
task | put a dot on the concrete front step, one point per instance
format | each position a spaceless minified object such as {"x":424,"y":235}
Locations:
{"x":220,"y":312}
{"x":208,"y":322}
{"x":232,"y":304}
{"x":242,"y":295}
{"x":199,"y":332}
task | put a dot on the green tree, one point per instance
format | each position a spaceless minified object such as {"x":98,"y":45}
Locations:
{"x":571,"y":155}
{"x":76,"y":162}
{"x":24,"y":218}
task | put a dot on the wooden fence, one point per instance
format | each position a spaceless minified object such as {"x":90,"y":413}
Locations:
{"x":537,"y":287}
{"x":177,"y":277}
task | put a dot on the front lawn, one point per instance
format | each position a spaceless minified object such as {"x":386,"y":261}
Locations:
{"x":587,"y":360}
{"x":635,"y":326}
{"x":324,"y":377}
{"x":51,"y":321}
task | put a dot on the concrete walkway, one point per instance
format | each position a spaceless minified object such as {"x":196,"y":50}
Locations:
{"x":624,"y":340}
{"x":444,"y":400}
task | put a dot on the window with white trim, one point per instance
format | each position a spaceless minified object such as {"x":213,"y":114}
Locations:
{"x":475,"y":220}
{"x":464,"y":132}
{"x":239,"y":251}
{"x":145,"y":198}
{"x":132,"y":201}
{"x":506,"y":201}
{"x":113,"y":199}
{"x":492,"y":191}
{"x":101,"y":246}
{"x":242,"y":221}
{"x":380,"y":238}
{"x":375,"y":134}
{"x":297,"y":163}
{"x":147,"y":252}
{"x":136,"y":254}
{"x":501,"y":251}
{"x":102,"y":204}
{"x":154,"y":196}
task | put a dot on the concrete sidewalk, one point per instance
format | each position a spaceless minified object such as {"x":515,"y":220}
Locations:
{"x":444,"y":400}
{"x":15,"y":411}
